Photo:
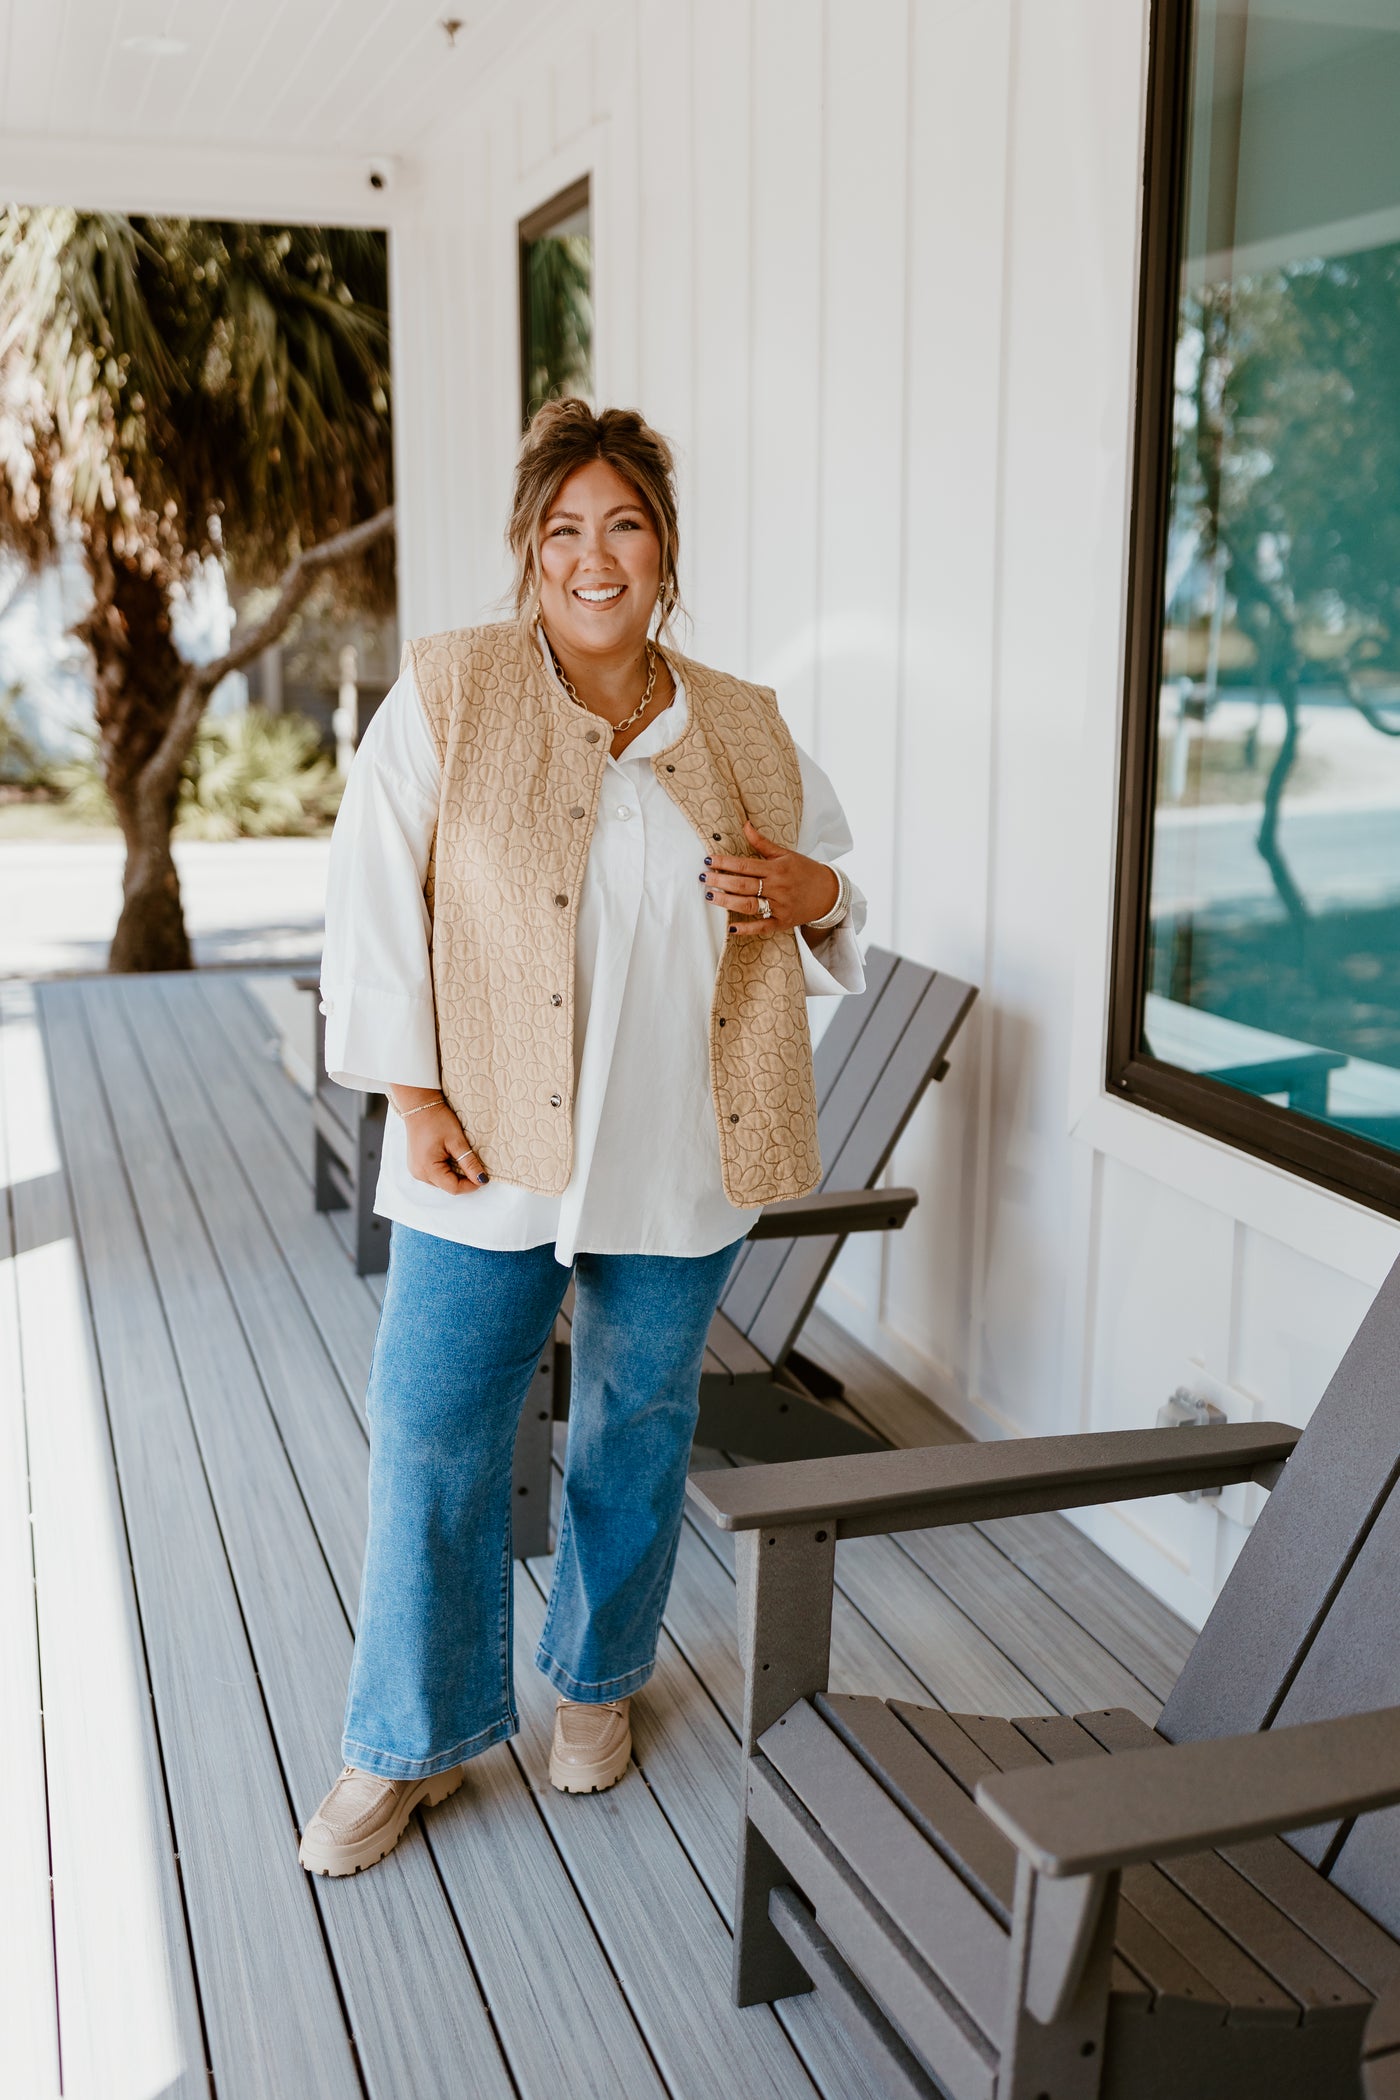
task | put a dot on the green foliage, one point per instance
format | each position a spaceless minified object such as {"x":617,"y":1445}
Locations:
{"x":248,"y":775}
{"x":218,"y":389}
{"x":255,"y":775}
{"x":559,"y":308}
{"x":1288,"y":457}
{"x":21,"y":764}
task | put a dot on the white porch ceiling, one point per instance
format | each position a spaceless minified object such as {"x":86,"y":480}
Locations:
{"x":265,"y":85}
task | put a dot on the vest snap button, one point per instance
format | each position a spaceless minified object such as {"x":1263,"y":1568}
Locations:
{"x":561,"y":899}
{"x":670,"y":769}
{"x":557,"y":999}
{"x":577,"y":810}
{"x":733,"y":1119}
{"x":721,"y":1020}
{"x":590,"y":736}
{"x":715,"y":836}
{"x":555,"y":1100}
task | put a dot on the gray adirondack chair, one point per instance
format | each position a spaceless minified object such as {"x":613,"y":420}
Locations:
{"x":1090,"y":1907}
{"x":759,"y":1396}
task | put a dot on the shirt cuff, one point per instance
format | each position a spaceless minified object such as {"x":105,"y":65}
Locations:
{"x":832,"y":963}
{"x":376,"y":1039}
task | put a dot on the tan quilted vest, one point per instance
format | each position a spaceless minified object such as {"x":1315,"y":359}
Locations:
{"x":522,"y":770}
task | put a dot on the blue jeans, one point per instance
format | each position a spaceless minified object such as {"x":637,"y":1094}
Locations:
{"x":459,"y":1344}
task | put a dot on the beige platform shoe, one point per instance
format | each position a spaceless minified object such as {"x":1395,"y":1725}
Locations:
{"x":363,"y":1817}
{"x":592,"y":1744}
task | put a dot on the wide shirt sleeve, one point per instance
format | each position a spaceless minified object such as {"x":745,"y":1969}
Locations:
{"x":831,"y":962}
{"x":376,"y":971}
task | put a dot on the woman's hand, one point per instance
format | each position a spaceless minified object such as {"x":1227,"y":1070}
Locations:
{"x":438,"y":1152}
{"x":798,"y":889}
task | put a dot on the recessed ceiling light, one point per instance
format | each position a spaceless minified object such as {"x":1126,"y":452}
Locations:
{"x":155,"y":46}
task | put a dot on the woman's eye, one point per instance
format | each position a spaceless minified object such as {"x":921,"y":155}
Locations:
{"x":627,"y":525}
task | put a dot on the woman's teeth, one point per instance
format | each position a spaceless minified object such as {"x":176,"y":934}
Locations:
{"x":600,"y":597}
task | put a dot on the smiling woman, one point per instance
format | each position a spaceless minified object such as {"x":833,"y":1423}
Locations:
{"x":580,"y":888}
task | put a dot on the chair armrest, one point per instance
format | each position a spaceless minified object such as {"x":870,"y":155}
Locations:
{"x":1098,"y":1813}
{"x":835,"y":1210}
{"x":907,"y":1490}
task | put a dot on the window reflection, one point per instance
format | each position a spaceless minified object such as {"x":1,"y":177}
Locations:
{"x":1274,"y":955}
{"x":556,"y":301}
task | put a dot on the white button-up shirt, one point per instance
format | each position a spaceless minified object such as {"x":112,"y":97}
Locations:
{"x":646,"y":1166}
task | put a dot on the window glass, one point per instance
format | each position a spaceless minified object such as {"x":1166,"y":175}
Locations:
{"x":1273,"y":959}
{"x":556,"y":301}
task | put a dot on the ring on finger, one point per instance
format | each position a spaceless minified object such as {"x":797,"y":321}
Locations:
{"x":765,"y":909}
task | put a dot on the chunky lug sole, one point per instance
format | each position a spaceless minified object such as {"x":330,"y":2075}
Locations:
{"x":318,"y":1857}
{"x":573,"y":1778}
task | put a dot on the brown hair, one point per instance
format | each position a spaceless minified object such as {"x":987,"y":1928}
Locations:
{"x":563,"y":436}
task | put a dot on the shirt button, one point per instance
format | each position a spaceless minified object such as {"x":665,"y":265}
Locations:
{"x":623,"y":811}
{"x":577,"y":810}
{"x":556,"y":998}
{"x":590,"y":736}
{"x":556,"y":1100}
{"x":561,"y":899}
{"x":325,"y":1006}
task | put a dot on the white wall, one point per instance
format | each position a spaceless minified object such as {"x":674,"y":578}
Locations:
{"x":872,"y":265}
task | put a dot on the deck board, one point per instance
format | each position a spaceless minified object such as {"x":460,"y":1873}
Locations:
{"x":536,"y":1943}
{"x":421,"y":2023}
{"x":128,"y":2012}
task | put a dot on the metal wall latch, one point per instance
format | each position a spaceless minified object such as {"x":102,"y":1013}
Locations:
{"x":1188,"y":1410}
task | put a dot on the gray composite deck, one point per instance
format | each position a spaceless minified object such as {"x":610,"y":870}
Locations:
{"x":183,"y":1351}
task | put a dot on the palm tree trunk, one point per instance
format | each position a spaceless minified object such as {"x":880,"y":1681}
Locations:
{"x":138,"y":679}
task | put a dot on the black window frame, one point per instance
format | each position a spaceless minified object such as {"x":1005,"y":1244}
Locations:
{"x":533,"y":227}
{"x":1335,"y":1159}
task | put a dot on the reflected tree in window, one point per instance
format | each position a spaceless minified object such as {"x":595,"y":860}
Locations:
{"x":556,"y":303}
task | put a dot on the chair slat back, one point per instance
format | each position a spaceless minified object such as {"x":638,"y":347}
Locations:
{"x":1295,"y":1632}
{"x":861,"y":1034}
{"x":1353,"y":1666}
{"x":873,"y":1082}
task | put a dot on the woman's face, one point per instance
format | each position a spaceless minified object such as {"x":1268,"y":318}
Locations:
{"x":600,"y":564}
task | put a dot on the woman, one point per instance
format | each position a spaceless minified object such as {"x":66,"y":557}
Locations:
{"x":579,"y":888}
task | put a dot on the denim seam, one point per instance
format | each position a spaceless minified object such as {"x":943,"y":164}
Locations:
{"x":637,"y":1676}
{"x":426,"y":1767}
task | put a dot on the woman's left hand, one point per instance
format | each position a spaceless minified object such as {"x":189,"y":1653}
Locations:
{"x":797,"y":889}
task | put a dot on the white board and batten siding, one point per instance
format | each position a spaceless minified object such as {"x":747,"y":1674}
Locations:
{"x":874,"y":270}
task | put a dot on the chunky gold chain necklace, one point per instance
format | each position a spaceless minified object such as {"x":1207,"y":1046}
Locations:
{"x":637,"y":712}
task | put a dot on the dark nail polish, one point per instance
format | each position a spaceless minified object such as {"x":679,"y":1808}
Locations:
{"x":701,"y":878}
{"x":709,"y":896}
{"x":483,"y":1177}
{"x":708,"y":862}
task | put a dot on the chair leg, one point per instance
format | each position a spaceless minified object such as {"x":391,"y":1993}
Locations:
{"x":529,"y":1485}
{"x":785,"y":1579}
{"x":764,"y":1966}
{"x":371,"y":1231}
{"x":328,"y":1196}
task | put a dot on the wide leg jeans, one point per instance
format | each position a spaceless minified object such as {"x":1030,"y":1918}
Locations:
{"x":460,"y":1340}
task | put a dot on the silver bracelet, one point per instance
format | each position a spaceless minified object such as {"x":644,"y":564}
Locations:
{"x":403,"y":1114}
{"x":839,"y":909}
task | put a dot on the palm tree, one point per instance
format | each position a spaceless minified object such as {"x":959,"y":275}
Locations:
{"x":175,"y":391}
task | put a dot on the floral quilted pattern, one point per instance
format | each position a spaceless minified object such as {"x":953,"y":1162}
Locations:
{"x":518,"y":760}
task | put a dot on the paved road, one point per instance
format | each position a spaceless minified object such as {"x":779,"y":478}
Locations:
{"x":247,"y":901}
{"x":1336,"y":857}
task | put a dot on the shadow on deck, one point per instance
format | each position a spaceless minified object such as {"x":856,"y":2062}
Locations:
{"x":183,"y":1353}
